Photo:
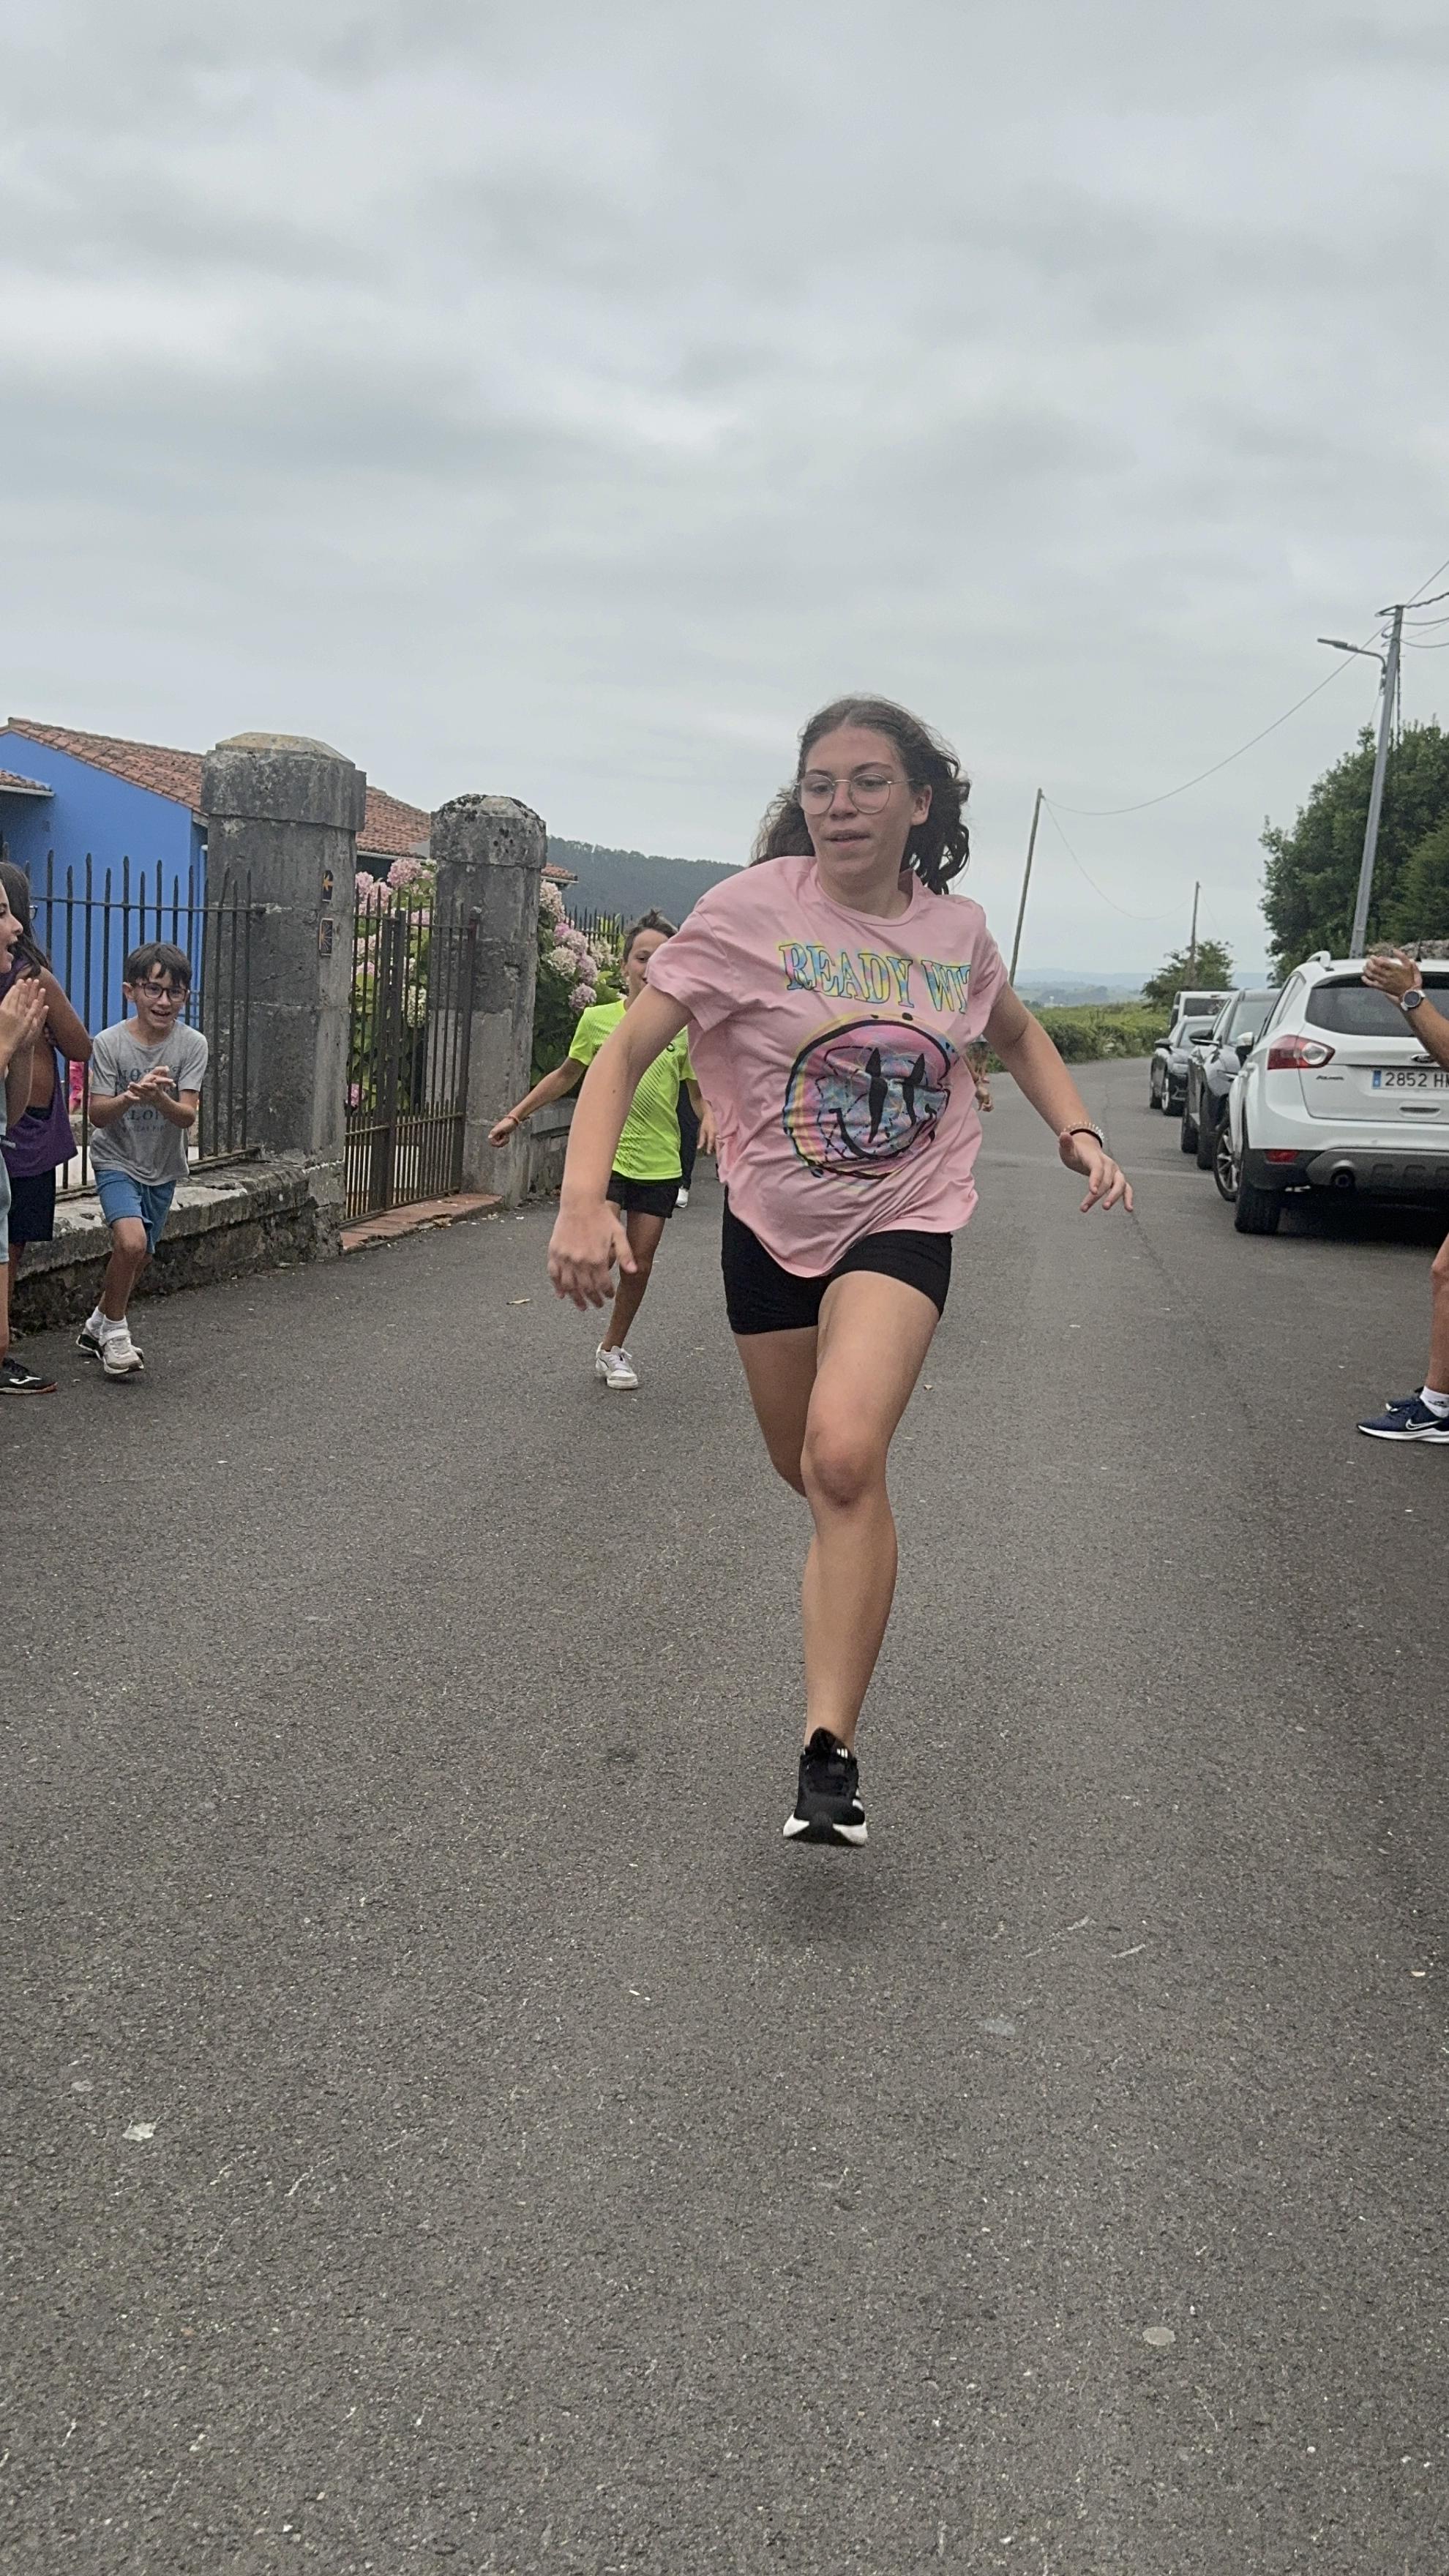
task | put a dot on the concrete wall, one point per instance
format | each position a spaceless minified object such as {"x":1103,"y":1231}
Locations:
{"x":224,"y":1223}
{"x":545,"y":1142}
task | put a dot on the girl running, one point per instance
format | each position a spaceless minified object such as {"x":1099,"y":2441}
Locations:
{"x":645,"y":1174}
{"x":831,"y":991}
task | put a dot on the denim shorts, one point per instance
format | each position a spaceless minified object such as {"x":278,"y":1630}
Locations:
{"x":151,"y":1201}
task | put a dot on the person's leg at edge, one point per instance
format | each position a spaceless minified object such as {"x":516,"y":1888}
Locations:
{"x":643,"y":1233}
{"x":1438,"y":1377}
{"x":828,"y":1403}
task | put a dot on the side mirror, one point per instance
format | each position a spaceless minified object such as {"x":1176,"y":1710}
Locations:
{"x":1245,"y":1048}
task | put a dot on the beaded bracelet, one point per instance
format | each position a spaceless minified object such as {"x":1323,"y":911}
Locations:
{"x":1083,"y":1131}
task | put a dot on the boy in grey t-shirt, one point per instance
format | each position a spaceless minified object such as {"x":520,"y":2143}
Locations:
{"x":146,"y":1077}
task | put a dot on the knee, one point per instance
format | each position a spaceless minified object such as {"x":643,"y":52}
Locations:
{"x":786,"y":1463}
{"x":1440,"y":1272}
{"x":643,"y":1268}
{"x":128,"y":1237}
{"x":838,"y":1467}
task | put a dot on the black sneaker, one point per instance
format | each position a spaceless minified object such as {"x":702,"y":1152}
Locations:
{"x":828,"y":1808}
{"x":16,"y":1379}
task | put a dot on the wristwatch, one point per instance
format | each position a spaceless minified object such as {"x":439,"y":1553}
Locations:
{"x":1411,"y":1000}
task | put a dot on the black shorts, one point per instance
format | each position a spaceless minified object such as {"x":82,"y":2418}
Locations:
{"x":644,"y":1198}
{"x":32,"y":1207}
{"x":762,"y":1297}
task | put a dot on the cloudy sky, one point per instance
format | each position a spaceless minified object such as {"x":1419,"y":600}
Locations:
{"x":563,"y":399}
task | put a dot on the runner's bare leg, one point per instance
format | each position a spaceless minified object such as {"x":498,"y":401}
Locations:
{"x":643,"y":1233}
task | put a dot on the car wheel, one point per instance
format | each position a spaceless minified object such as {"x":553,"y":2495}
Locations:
{"x":1207,"y":1141}
{"x":1225,"y":1170}
{"x":1255,"y":1210}
{"x":1152,"y":1100}
{"x":1187,"y":1133}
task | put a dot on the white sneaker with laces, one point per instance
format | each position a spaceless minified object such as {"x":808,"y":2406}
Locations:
{"x":119,"y":1355}
{"x":615,"y":1368}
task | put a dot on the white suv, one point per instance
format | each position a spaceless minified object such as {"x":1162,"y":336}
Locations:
{"x":1338,"y":1094}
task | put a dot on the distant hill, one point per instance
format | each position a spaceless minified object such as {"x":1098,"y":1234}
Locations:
{"x":628,"y":882}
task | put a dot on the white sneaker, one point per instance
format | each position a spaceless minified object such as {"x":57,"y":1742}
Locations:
{"x":615,"y":1368}
{"x":681,"y":1199}
{"x":119,"y":1355}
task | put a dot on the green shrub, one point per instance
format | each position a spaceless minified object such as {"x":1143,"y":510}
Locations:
{"x":1085,"y":1032}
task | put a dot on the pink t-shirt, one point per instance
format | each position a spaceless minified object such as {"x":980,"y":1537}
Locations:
{"x":830,"y":1046}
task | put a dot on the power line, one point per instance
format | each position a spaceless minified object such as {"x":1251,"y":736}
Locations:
{"x":1102,"y":813}
{"x":1099,"y":813}
{"x":1092,"y":882}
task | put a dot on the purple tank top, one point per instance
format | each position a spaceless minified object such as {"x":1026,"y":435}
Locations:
{"x":41,"y":1140}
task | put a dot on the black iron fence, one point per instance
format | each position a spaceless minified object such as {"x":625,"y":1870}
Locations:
{"x":89,"y":924}
{"x":408,"y":1046}
{"x":606,"y":927}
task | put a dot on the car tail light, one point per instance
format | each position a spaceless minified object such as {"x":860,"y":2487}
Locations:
{"x":1298,"y":1055}
{"x":1281,"y":1154}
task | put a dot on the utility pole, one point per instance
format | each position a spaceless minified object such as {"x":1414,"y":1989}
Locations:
{"x":1025,"y":882}
{"x":1359,"y":933}
{"x":1192,"y":943}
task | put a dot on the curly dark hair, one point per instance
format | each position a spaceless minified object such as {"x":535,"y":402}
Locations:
{"x":937,"y":849}
{"x":646,"y":921}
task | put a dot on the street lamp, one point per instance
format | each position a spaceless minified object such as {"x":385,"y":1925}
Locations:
{"x":1389,"y":665}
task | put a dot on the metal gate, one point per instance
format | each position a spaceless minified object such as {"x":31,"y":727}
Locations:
{"x":407,"y":1055}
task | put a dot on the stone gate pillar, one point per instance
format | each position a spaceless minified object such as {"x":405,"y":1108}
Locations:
{"x":285,"y":812}
{"x":489,"y":852}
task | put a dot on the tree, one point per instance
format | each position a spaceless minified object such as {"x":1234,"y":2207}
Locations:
{"x":1311,"y":879}
{"x":1420,"y":908}
{"x":1210,"y":971}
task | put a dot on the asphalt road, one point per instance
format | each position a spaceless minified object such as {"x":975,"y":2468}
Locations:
{"x":444,"y":2120}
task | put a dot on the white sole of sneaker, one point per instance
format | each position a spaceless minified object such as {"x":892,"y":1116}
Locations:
{"x":806,"y":1829}
{"x":1433,"y":1438}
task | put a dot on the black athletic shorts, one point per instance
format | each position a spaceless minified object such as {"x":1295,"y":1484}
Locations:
{"x":648,"y":1198}
{"x":32,"y":1207}
{"x":762,"y":1297}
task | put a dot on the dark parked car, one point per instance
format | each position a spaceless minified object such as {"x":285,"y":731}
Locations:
{"x":1211,"y":1069}
{"x":1167,"y":1075}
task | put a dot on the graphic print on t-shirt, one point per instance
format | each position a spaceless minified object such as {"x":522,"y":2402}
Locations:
{"x":864,"y":1094}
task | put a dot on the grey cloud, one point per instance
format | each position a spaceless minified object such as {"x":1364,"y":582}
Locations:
{"x":567,"y":402}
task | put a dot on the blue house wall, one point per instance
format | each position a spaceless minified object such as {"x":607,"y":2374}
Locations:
{"x":93,"y":814}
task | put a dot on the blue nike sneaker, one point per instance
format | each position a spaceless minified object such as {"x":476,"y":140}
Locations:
{"x":1410,"y":1419}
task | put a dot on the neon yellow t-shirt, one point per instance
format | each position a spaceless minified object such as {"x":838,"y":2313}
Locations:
{"x":649,"y":1146}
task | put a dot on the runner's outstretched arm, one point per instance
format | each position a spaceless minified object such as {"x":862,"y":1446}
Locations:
{"x":1033,"y":1062}
{"x":587,"y":1239}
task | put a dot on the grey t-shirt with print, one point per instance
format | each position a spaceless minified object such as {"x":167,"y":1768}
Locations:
{"x":142,"y":1142}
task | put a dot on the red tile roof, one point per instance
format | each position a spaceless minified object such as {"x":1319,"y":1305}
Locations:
{"x":12,"y":779}
{"x":392,"y":829}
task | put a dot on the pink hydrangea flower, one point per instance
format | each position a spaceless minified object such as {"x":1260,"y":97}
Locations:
{"x":405,"y":872}
{"x":582,"y":998}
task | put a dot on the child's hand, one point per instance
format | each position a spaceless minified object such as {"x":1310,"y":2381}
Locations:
{"x":22,"y":1015}
{"x":582,"y":1251}
{"x":153,"y":1085}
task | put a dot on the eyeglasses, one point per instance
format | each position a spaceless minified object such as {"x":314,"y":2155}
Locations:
{"x":868,"y":789}
{"x":160,"y":993}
